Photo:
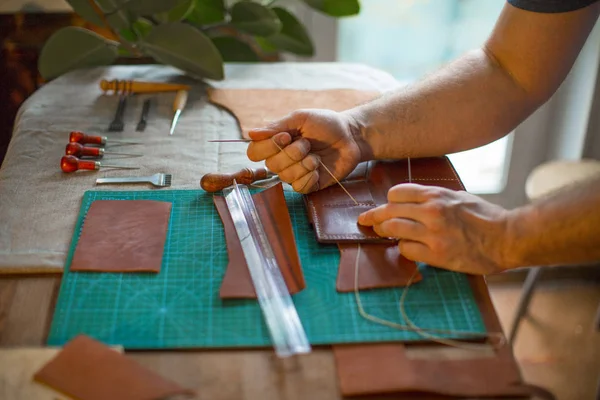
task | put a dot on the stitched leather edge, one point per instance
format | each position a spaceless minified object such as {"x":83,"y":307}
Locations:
{"x":454,"y":173}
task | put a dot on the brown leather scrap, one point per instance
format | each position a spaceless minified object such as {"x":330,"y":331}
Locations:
{"x":389,"y":368}
{"x":123,"y":236}
{"x":86,"y":369}
{"x":273,"y":212}
{"x":276,"y":103}
{"x":381,"y":266}
{"x":385,"y":368}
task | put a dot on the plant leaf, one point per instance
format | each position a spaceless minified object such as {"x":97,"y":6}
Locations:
{"x":149,"y":7}
{"x":254,"y":19}
{"x":265,"y":45}
{"x":207,"y":12}
{"x":292,"y":37}
{"x":234,"y":50}
{"x":118,"y":20}
{"x":335,"y":8}
{"x":184,"y":47}
{"x":128,"y":34}
{"x":142,"y":27}
{"x":138,"y":30}
{"x":72,"y":47}
{"x":181,"y":10}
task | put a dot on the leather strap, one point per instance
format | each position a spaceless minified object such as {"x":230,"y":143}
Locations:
{"x":273,"y":212}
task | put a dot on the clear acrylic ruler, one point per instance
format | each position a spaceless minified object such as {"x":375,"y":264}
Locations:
{"x":279,"y":311}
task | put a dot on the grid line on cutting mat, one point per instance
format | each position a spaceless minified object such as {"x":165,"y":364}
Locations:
{"x":180,"y":307}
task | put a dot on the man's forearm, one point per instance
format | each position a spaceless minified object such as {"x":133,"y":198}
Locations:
{"x":561,"y":229}
{"x":468,"y":103}
{"x":483,"y":95}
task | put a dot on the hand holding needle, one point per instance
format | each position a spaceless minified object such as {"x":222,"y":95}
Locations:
{"x":178,"y":106}
{"x":280,"y":149}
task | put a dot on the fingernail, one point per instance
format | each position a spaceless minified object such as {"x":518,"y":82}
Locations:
{"x":260,"y":130}
{"x":282,"y":140}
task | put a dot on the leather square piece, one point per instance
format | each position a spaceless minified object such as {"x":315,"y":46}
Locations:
{"x":123,"y":236}
{"x":86,"y":369}
{"x":381,"y":266}
{"x":250,"y":113}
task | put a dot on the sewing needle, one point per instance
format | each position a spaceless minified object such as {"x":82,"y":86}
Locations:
{"x":229,"y":140}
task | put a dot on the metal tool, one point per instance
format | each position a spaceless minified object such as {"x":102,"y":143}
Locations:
{"x":229,"y":141}
{"x":80,"y":137}
{"x":72,"y":164}
{"x":79,"y":150}
{"x":214,"y":182}
{"x":278,"y":309}
{"x":160,"y":179}
{"x":117,"y":124}
{"x":178,"y":106}
{"x":144,"y":116}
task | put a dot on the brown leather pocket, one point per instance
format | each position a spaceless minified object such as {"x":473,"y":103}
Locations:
{"x":381,"y":266}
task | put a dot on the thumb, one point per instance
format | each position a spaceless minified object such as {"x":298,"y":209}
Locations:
{"x":291,"y":124}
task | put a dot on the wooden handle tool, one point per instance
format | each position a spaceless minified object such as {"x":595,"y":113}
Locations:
{"x":131,"y":86}
{"x":215,"y":182}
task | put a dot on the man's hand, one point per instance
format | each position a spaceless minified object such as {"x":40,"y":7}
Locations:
{"x":444,"y":228}
{"x":307,"y":137}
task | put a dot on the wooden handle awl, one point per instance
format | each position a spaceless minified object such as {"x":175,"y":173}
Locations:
{"x":214,"y":182}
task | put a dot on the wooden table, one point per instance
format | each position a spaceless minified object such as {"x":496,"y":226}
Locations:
{"x":27,"y":301}
{"x":27,"y":304}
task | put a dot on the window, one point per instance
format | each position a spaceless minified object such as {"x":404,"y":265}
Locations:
{"x":412,"y":38}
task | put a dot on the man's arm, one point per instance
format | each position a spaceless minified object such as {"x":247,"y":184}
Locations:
{"x":480,"y":97}
{"x":459,"y":231}
{"x":471,"y":102}
{"x":563,"y":228}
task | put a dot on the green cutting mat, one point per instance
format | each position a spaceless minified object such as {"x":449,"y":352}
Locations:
{"x":180,"y":307}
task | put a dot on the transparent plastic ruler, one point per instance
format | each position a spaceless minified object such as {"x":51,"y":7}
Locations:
{"x":278,"y":309}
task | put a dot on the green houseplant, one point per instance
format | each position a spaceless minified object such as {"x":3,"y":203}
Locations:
{"x":195,"y":36}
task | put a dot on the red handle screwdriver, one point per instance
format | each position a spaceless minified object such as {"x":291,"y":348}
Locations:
{"x":80,"y":137}
{"x":79,"y":150}
{"x":72,"y":164}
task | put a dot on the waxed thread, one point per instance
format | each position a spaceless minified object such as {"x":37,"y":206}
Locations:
{"x":410,"y":325}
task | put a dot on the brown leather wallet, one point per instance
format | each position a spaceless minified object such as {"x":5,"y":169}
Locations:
{"x":334,"y":215}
